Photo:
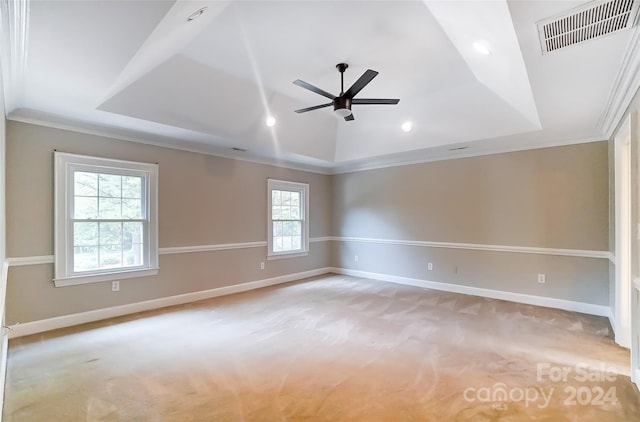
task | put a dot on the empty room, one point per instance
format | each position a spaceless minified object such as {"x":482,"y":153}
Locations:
{"x":260,"y":210}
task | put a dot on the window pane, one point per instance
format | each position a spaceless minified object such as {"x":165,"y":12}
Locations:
{"x":295,"y":213}
{"x":110,"y":256}
{"x":286,"y":228}
{"x":85,"y":258}
{"x":276,"y":197}
{"x":276,"y":213}
{"x":295,"y":199}
{"x":85,"y":207}
{"x":286,"y":198}
{"x":297,"y":228}
{"x":110,"y":208}
{"x":132,"y":208}
{"x":132,"y":255}
{"x":131,"y":233}
{"x":277,"y":228}
{"x":85,"y":234}
{"x":85,"y":184}
{"x":296,"y":242}
{"x":110,"y":185}
{"x":286,"y":213}
{"x":277,"y":243}
{"x":286,"y":243}
{"x":110,"y":234}
{"x":131,"y":187}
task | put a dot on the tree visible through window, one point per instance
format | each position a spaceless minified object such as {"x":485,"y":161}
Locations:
{"x":108,"y":221}
{"x":288,"y":218}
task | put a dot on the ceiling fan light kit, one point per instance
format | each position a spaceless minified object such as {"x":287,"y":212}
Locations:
{"x":343,"y":102}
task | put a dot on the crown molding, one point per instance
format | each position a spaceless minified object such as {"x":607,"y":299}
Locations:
{"x":14,"y":25}
{"x":626,"y":85}
{"x":416,"y":157}
{"x":185,"y":145}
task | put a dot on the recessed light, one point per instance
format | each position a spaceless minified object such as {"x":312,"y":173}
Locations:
{"x":482,"y":47}
{"x":407,"y":126}
{"x":196,"y":14}
{"x":271,"y":121}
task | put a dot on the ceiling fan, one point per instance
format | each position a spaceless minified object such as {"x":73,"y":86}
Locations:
{"x":342,"y":103}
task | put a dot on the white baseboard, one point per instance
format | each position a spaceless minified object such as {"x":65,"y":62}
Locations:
{"x":585,"y":308}
{"x":34,"y":327}
{"x":612,"y":320}
{"x":4,"y":349}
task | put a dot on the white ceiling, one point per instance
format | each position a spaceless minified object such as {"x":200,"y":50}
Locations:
{"x":139,"y":70}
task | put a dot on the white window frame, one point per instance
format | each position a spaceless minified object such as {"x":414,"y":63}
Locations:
{"x":303,"y":189}
{"x":65,"y":165}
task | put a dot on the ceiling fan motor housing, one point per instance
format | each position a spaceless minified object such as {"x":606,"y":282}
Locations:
{"x":342,"y":103}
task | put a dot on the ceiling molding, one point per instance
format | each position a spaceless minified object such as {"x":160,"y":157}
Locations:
{"x":14,"y":24}
{"x":415,"y":158}
{"x":195,"y":147}
{"x":626,"y":85}
{"x":405,"y":159}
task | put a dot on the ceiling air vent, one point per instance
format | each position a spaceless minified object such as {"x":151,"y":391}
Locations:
{"x":593,"y":20}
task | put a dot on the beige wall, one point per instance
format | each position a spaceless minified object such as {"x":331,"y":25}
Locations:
{"x":547,"y":198}
{"x":203,"y":200}
{"x":634,"y":112}
{"x":3,"y":236}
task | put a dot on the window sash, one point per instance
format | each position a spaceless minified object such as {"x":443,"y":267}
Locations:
{"x":67,"y":165}
{"x":71,"y":256}
{"x":302,"y":190}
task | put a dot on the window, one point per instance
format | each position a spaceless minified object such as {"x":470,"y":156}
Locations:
{"x":288,"y":219}
{"x":105,"y":219}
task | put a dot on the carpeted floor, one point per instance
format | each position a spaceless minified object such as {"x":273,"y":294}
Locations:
{"x":333,"y":348}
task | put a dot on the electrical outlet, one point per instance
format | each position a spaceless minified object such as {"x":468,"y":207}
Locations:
{"x":115,"y":286}
{"x":542,"y":278}
{"x":262,"y":265}
{"x":355,"y":258}
{"x":430,"y":266}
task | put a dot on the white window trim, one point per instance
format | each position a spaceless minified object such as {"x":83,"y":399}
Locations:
{"x":303,"y":188}
{"x":65,"y":164}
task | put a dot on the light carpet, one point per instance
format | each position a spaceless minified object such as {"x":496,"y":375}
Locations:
{"x":333,"y":348}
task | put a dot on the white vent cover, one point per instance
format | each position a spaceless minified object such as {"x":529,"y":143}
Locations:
{"x":593,"y":20}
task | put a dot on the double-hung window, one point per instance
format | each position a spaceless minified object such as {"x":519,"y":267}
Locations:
{"x":288,"y":232}
{"x":105,"y":219}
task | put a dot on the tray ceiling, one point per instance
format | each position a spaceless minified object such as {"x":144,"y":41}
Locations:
{"x":140,"y":70}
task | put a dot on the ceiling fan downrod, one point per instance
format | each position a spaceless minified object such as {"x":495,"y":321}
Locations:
{"x":341,"y":68}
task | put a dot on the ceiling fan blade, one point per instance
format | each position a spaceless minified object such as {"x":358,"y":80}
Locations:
{"x":315,"y":89}
{"x":375,"y":101}
{"x":349,"y":117}
{"x":360,"y":83}
{"x":304,"y":110}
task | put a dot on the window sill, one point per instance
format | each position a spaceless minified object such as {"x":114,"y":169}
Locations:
{"x":287,"y":255}
{"x":97,"y":278}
